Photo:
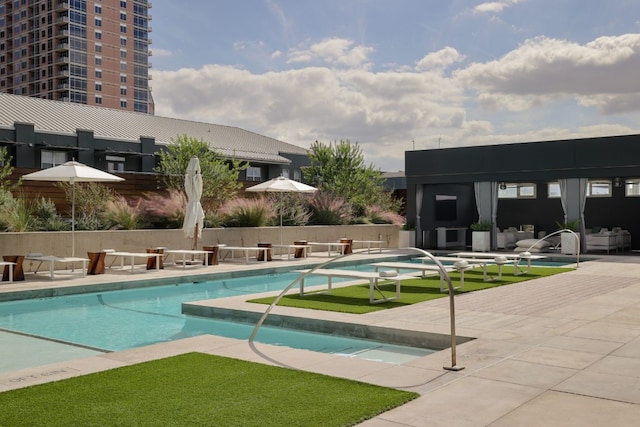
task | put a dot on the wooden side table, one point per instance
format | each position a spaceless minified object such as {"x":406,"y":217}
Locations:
{"x":96,"y":262}
{"x":262,"y":254}
{"x":348,"y":248}
{"x":213,"y":255}
{"x":300,"y":252}
{"x":18,"y":272}
{"x":151,"y":261}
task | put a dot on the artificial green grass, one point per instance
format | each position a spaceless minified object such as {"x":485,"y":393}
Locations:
{"x":355,"y":299}
{"x":198,"y":389}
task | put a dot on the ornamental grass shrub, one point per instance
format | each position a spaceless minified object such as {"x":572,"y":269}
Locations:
{"x":257,"y":212}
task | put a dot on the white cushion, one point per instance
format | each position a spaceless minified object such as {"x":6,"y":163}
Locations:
{"x":460,"y":265}
{"x":522,"y":250}
{"x":533,"y":243}
{"x":388,"y":273}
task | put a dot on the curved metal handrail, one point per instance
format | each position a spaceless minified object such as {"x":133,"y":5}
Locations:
{"x":564,"y":230}
{"x":443,"y":273}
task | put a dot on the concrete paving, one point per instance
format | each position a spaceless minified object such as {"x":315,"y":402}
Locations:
{"x":556,"y":351}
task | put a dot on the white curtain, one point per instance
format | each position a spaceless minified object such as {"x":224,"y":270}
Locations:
{"x":419,"y":240}
{"x":583,"y":184}
{"x":494,"y":214}
{"x":486,"y":193}
{"x":573,"y":196}
{"x":563,"y":196}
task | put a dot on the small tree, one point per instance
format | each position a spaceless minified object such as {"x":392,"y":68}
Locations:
{"x":339,"y":168}
{"x":219,"y":174}
{"x":6,"y":170}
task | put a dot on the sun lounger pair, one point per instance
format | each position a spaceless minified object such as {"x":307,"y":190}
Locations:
{"x":52,"y":260}
{"x":372,"y":277}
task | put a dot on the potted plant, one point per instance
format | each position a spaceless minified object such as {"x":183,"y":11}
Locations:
{"x":481,"y":236}
{"x":568,"y":241}
{"x":407,"y":236}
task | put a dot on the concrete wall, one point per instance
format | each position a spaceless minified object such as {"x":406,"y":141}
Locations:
{"x":59,"y":242}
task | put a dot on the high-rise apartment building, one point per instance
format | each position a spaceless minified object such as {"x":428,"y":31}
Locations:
{"x":85,"y":51}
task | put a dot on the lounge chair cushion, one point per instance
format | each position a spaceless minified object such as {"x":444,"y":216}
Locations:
{"x":533,"y":243}
{"x":388,"y":273}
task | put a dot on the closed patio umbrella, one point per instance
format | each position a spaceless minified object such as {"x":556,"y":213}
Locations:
{"x":72,"y":172}
{"x":282,"y":185}
{"x":193,"y":215}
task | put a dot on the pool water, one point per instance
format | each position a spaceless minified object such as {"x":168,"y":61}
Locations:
{"x":118,"y":320}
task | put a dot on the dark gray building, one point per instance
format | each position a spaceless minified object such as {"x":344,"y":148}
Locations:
{"x":539,"y":184}
{"x":42,"y":133}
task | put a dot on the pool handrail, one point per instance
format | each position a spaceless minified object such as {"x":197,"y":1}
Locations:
{"x":564,"y":230}
{"x":443,"y":273}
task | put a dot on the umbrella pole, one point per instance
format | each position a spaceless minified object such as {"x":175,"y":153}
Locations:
{"x":195,"y":239}
{"x":73,"y":218}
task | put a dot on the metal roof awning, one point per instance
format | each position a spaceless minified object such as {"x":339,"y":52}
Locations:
{"x":63,"y":147}
{"x":123,"y":152}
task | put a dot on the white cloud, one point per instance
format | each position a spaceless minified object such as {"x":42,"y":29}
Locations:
{"x":334,"y":51}
{"x":161,"y":52}
{"x":601,"y":74}
{"x":440,"y":59}
{"x":482,"y":103}
{"x":495,"y":6}
{"x":301,"y":106}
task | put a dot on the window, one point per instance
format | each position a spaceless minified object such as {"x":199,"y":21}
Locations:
{"x":123,"y":66}
{"x":123,"y":53}
{"x":632,"y":187}
{"x":297,"y":174}
{"x":123,"y":78}
{"x":123,"y":41}
{"x":98,"y":22}
{"x":553,"y":190}
{"x":253,"y":173}
{"x":98,"y":99}
{"x":98,"y":35}
{"x":285,"y":173}
{"x":519,"y":190}
{"x":115,"y":164}
{"x":98,"y":8}
{"x":98,"y":47}
{"x":123,"y":16}
{"x":599,"y":188}
{"x":123,"y":29}
{"x":123,"y":103}
{"x":98,"y":60}
{"x":123,"y":90}
{"x":99,"y":86}
{"x":49,"y":159}
{"x":98,"y":74}
{"x":123,"y":4}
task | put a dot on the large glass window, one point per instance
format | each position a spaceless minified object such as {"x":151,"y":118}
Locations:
{"x":599,"y":188}
{"x":115,"y":164}
{"x":553,"y":190}
{"x":253,"y":173}
{"x":632,"y":187}
{"x":50,"y":159}
{"x":516,"y":190}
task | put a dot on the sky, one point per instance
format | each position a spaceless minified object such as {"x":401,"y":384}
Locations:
{"x":400,"y":75}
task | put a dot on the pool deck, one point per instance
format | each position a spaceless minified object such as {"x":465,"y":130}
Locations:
{"x":556,"y":351}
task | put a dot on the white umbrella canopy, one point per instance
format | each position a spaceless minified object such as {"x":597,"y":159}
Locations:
{"x":72,"y":172}
{"x":282,"y":185}
{"x":193,"y":215}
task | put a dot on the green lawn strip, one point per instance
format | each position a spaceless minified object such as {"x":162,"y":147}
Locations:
{"x":199,"y":389}
{"x":355,"y":299}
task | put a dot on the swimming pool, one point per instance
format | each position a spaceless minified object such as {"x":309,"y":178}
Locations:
{"x":118,"y":320}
